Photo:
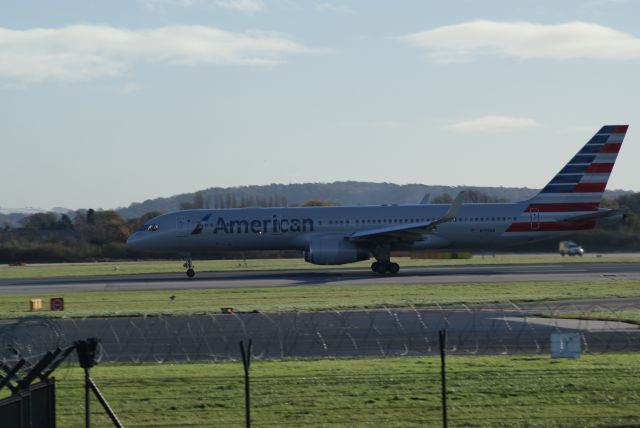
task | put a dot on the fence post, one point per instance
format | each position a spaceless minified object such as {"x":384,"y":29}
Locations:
{"x":87,"y":357}
{"x":87,"y":401}
{"x":246,"y":362}
{"x":442,"y":334}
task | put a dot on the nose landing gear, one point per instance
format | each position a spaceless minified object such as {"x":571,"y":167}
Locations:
{"x":188,"y":264}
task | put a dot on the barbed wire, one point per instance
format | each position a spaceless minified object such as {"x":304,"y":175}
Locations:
{"x":472,"y":330}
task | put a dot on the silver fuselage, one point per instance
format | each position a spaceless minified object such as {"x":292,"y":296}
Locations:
{"x":478,"y":226}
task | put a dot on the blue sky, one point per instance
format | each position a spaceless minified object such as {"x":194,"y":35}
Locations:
{"x":107,"y":103}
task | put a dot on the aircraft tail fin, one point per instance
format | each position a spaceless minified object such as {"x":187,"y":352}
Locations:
{"x":579,"y":186}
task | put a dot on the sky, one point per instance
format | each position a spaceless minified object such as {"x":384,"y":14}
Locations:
{"x":107,"y":103}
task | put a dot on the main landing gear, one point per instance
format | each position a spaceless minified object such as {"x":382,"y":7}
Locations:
{"x":383,"y":263}
{"x":189,"y":266}
{"x":388,"y":267}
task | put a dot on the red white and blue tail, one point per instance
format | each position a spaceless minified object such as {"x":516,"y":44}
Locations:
{"x":579,"y":186}
{"x":576,"y":191}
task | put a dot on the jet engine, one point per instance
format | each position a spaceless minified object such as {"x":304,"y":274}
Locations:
{"x":334,"y":251}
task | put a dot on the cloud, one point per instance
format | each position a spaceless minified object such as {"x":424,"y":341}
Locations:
{"x":525,"y":40}
{"x":488,"y":124}
{"x":88,"y":51}
{"x":243,"y":6}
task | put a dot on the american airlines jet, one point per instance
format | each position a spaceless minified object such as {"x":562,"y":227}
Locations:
{"x":339,"y":235}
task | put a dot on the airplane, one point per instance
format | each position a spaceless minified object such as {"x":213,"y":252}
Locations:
{"x":337,"y":235}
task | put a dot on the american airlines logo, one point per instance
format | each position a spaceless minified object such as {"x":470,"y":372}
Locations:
{"x":273,"y":225}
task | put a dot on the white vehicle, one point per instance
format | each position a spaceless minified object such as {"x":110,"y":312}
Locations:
{"x":569,"y":203}
{"x":570,"y":248}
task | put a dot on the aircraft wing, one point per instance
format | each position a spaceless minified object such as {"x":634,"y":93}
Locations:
{"x":593,"y":216}
{"x":411,"y":231}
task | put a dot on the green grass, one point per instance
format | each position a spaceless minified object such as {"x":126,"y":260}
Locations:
{"x":175,"y":266}
{"x":532,"y":391}
{"x":310,"y":298}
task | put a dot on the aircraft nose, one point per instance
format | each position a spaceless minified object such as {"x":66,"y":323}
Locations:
{"x":136,"y":241}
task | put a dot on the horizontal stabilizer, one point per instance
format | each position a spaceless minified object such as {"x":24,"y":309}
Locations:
{"x":593,"y":216}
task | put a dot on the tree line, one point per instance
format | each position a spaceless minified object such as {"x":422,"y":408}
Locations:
{"x":101,"y":234}
{"x":82,"y":235}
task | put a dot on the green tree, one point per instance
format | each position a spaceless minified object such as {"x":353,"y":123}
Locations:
{"x":443,"y":198}
{"x":479,"y":197}
{"x":318,"y":203}
{"x":609,"y":203}
{"x":40,"y":221}
{"x":91,"y":216}
{"x":107,"y":227}
{"x":64,"y":223}
{"x":197,"y":203}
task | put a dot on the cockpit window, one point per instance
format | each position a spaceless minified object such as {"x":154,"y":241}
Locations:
{"x":150,"y":228}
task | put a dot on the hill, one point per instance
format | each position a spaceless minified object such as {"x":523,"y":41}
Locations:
{"x":339,"y":192}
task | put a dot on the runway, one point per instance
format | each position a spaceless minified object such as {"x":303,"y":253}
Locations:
{"x":322,"y":277}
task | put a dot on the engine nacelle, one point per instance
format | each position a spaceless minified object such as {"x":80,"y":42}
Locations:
{"x":334,"y":251}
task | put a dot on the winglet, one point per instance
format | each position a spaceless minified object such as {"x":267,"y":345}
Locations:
{"x":453,"y":210}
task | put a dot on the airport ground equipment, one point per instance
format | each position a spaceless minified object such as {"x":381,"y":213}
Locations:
{"x":570,"y":248}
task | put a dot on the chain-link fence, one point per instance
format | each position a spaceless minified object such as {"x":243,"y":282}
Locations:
{"x":597,"y":390}
{"x":499,"y":373}
{"x":492,"y":329}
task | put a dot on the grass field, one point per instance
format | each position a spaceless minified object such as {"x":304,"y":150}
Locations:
{"x":318,"y":297}
{"x":175,"y":266}
{"x":596,"y":390}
